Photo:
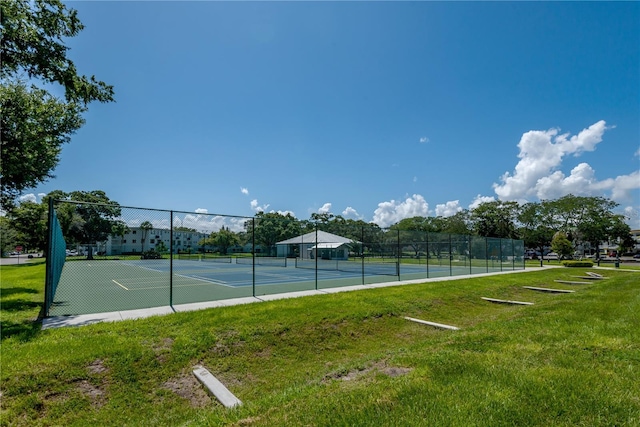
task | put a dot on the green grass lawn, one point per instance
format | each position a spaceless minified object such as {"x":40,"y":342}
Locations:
{"x":348,"y":359}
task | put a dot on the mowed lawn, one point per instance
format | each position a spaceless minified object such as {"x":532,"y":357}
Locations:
{"x":349,"y":359}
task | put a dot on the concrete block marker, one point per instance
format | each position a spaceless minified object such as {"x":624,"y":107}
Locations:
{"x":571,"y":282}
{"x":215,"y":387}
{"x":587,"y":277}
{"x":437,"y":325}
{"x":502,"y":301}
{"x":596,"y":275}
{"x":555,"y":291}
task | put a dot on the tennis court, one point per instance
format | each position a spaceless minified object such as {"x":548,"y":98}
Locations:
{"x":142,"y":258}
{"x":113,"y":285}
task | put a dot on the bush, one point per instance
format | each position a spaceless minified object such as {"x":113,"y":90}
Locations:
{"x":584,"y":263}
{"x":151,"y":254}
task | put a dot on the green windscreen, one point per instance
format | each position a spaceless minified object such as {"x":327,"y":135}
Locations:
{"x":56,"y":258}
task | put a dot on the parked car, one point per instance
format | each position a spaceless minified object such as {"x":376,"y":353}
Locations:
{"x":551,"y":255}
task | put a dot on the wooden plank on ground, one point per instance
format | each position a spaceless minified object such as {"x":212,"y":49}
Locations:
{"x":436,"y":325}
{"x":502,"y":301}
{"x":556,"y":291}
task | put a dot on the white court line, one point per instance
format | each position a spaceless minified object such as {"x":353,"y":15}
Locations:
{"x":122,"y":286}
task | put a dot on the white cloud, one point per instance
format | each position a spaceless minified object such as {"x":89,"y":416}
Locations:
{"x":480,"y":200}
{"x":624,"y":185}
{"x":244,"y":190}
{"x":632,"y":215}
{"x":448,"y":209}
{"x":285,"y":213}
{"x":415,"y":179}
{"x":202,"y":211}
{"x":391,"y":212}
{"x":424,"y":140}
{"x":257,"y":208}
{"x":326,"y":208}
{"x":537,"y":173}
{"x":28,"y":198}
{"x":351,"y":212}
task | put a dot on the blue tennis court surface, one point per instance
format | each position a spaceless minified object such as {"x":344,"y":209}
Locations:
{"x":236,"y":275}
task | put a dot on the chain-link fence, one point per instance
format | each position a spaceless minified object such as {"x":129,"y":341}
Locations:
{"x":104,"y":258}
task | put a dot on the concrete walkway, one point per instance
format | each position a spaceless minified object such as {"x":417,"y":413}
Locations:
{"x":87,"y":319}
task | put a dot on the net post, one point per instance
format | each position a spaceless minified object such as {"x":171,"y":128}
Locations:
{"x":500,"y":244}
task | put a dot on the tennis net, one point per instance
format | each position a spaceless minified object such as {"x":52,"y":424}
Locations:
{"x":263,"y":260}
{"x":377,"y":268}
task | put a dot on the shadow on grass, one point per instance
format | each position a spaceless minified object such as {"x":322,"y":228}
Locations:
{"x":23,"y":331}
{"x":5,"y":292}
{"x":19,"y":305}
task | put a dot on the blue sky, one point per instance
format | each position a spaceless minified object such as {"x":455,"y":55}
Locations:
{"x":371,"y":110}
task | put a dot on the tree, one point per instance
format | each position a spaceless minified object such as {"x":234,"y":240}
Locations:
{"x":29,"y":220}
{"x":35,"y":124}
{"x":561,"y":245}
{"x":224,"y":239}
{"x":495,"y":219}
{"x":145,"y":227}
{"x":536,"y":225}
{"x":273,"y":227}
{"x":590,"y":220}
{"x":8,"y":236}
{"x":89,"y":222}
{"x":456,"y":224}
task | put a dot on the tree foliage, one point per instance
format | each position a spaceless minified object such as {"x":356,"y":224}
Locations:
{"x":29,"y":220}
{"x":89,"y":222}
{"x":561,"y":245}
{"x":35,"y":124}
{"x":495,"y":219}
{"x":222,"y":239}
{"x":270,"y":228}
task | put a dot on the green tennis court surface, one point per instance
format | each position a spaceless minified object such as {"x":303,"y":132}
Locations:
{"x":102,"y":286}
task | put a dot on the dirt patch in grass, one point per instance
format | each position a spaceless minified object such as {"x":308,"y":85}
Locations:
{"x":97,"y":367}
{"x":391,"y":371}
{"x":188,"y":387}
{"x":163,"y":349}
{"x":93,"y":393}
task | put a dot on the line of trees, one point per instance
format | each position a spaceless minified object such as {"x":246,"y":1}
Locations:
{"x":581,"y":221}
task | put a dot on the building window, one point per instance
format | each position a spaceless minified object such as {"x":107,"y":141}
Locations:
{"x":124,"y":240}
{"x":133,"y":232}
{"x":133,"y":241}
{"x":152,"y":241}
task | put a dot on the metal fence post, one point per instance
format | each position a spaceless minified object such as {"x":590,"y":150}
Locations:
{"x":362,"y":252}
{"x":48,"y":284}
{"x":253,"y":255}
{"x":171,"y":260}
{"x":316,"y":255}
{"x":398,"y":256}
{"x":427,"y":242}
